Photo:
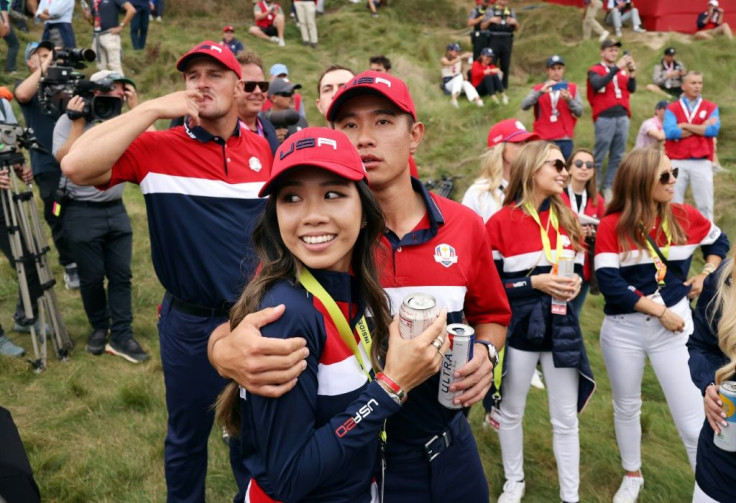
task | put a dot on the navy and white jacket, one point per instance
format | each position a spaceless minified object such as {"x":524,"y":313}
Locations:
{"x":319,"y":441}
{"x":519,"y":254}
{"x":715,"y":471}
{"x":623,"y":279}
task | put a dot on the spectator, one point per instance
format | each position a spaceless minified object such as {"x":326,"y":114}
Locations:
{"x":270,"y":22}
{"x":329,"y":83}
{"x":373,"y":5}
{"x":557,"y":107}
{"x":280,"y":71}
{"x":8,"y":34}
{"x":668,"y":75}
{"x":157,"y":9}
{"x":590,"y":23}
{"x":104,"y":16}
{"x":139,"y":24}
{"x":691,"y":125}
{"x":710,"y":23}
{"x":485,"y":77}
{"x":480,"y":38}
{"x":609,"y":85}
{"x":453,"y":77}
{"x":216,"y":207}
{"x":379,"y":63}
{"x":46,"y":170}
{"x":620,"y":11}
{"x":501,"y":23}
{"x":250,"y":103}
{"x":647,"y":301}
{"x":57,"y":18}
{"x":98,"y":231}
{"x":229,"y":41}
{"x":306,"y":13}
{"x":281,"y":94}
{"x":651,"y":132}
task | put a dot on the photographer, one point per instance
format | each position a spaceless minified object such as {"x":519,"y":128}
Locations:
{"x":282,"y":113}
{"x":97,"y":226}
{"x":46,"y":170}
{"x":104,"y":16}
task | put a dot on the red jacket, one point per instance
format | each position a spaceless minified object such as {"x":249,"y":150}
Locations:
{"x":476,"y":72}
{"x":694,"y":146}
{"x":596,"y":211}
{"x":605,"y":98}
{"x":268,"y":20}
{"x":564,"y":126}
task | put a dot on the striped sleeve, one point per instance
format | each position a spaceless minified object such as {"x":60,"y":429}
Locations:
{"x":612,"y":284}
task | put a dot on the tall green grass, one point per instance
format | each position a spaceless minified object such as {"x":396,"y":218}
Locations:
{"x":94,"y":426}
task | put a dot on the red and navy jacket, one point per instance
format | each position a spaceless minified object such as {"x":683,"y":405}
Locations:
{"x":605,"y":98}
{"x":519,"y":254}
{"x":319,"y":441}
{"x":202,"y":202}
{"x":694,"y":146}
{"x":564,"y":127}
{"x":715,"y":469}
{"x":624,"y":278}
{"x":476,"y":72}
{"x":596,"y":211}
{"x":446,"y":255}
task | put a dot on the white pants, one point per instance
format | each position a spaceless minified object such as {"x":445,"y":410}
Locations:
{"x":699,"y":496}
{"x":305,"y":11}
{"x":626,"y":341}
{"x":562,"y":389}
{"x":458,"y":84}
{"x":698,"y":173}
{"x":109,"y":53}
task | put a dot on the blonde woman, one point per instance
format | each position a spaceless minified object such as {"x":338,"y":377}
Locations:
{"x":529,"y":235}
{"x":644,"y":247}
{"x":712,"y":348}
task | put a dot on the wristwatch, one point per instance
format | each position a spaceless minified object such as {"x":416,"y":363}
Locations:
{"x":492,"y":352}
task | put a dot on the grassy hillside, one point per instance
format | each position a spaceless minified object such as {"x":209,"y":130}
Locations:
{"x":94,"y":426}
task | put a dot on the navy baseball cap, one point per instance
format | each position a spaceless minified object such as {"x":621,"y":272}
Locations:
{"x":487,"y":51}
{"x":670,"y":51}
{"x":32,"y":47}
{"x":555,"y":60}
{"x":454,"y":47}
{"x":662,"y":104}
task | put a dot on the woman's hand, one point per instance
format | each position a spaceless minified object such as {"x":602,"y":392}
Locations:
{"x":559,"y":287}
{"x":713,"y":408}
{"x":697,"y":285}
{"x":588,"y":230}
{"x":409,"y":362}
{"x":671,"y":321}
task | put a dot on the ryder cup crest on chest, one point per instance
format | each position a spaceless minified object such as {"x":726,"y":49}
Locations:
{"x":445,"y":255}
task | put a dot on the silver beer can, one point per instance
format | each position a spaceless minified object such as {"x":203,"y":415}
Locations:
{"x":418,"y":311}
{"x":726,"y":439}
{"x":462,"y":338}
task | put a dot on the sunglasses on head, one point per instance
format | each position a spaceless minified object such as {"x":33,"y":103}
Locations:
{"x":558,"y":164}
{"x":664,"y":178}
{"x":587,"y":164}
{"x":285,"y":95}
{"x":250,"y":85}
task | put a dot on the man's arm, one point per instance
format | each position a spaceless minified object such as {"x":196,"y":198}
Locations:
{"x":129,"y":14}
{"x":264,"y":366}
{"x":670,"y":126}
{"x":576,"y":103}
{"x":25,"y":91}
{"x":91,"y":158}
{"x":62,"y":140}
{"x":708,"y":129}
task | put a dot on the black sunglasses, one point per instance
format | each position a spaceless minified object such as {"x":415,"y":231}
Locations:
{"x":250,"y":85}
{"x":558,"y":164}
{"x":285,"y":95}
{"x":664,"y":178}
{"x":587,"y":164}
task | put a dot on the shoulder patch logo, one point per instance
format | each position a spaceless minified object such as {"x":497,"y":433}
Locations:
{"x":445,"y":255}
{"x":255,"y":164}
{"x":702,"y":114}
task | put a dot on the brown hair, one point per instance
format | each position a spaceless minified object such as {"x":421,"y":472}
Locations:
{"x":591,"y":185}
{"x":330,"y":69}
{"x":250,"y":58}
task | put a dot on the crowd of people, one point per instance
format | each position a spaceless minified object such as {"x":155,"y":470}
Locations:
{"x":302,"y":243}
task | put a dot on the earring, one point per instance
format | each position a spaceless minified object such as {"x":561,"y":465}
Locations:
{"x":363,"y":224}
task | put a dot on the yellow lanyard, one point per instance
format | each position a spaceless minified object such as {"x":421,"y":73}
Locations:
{"x":658,"y":262}
{"x":343,"y":327}
{"x":543,"y":233}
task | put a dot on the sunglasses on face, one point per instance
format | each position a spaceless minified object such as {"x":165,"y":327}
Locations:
{"x":250,"y":85}
{"x":285,"y":95}
{"x":586,"y":164}
{"x":664,"y":178}
{"x":558,"y":164}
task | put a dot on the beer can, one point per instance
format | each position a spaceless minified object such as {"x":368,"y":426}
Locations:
{"x":566,"y":269}
{"x":726,"y":439}
{"x":418,"y":311}
{"x":462,"y":338}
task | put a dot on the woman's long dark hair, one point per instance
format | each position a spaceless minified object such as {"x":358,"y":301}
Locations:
{"x":279,"y":264}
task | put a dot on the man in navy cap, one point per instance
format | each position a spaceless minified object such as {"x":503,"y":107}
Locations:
{"x":668,"y":75}
{"x":557,"y":106}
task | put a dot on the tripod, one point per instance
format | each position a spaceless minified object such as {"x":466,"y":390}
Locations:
{"x":30,"y":249}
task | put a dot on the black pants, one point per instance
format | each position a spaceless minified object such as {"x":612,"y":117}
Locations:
{"x":13,"y":47}
{"x":480,"y":40}
{"x":490,"y":85}
{"x":48,"y":183}
{"x":501,"y":45}
{"x":101,"y":239}
{"x":16,"y":476}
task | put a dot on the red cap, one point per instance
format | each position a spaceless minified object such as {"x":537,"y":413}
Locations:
{"x":376,"y":83}
{"x":228,"y":28}
{"x":216,"y":51}
{"x":509,"y":131}
{"x":316,"y":146}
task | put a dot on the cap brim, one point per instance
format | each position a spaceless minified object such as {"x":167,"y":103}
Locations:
{"x":359,"y":90}
{"x":333,"y":167}
{"x":182,"y":64}
{"x":520,"y":136}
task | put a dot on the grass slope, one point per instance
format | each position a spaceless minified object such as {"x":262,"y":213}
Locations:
{"x":94,"y":426}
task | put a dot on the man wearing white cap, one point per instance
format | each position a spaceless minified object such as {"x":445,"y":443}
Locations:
{"x":710,"y":23}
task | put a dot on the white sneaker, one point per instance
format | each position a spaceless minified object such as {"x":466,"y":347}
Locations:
{"x":479,"y":102}
{"x":537,"y":379}
{"x":274,"y":39}
{"x":639,"y":29}
{"x":604,"y":36}
{"x":618,"y":33}
{"x":629,"y":490}
{"x":505,"y":99}
{"x":281,"y":42}
{"x":513,"y":491}
{"x":453,"y":102}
